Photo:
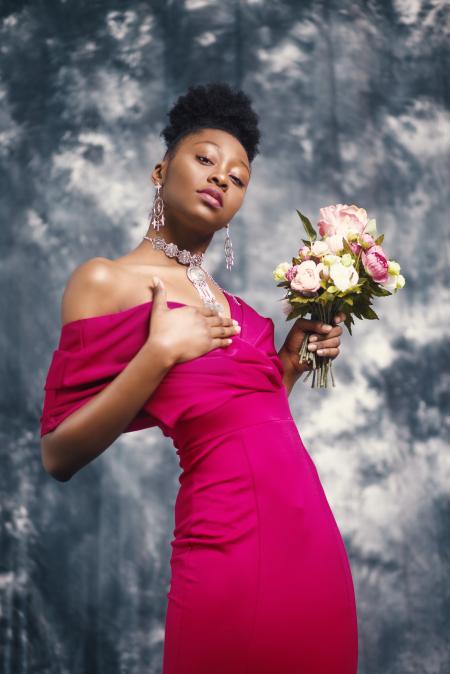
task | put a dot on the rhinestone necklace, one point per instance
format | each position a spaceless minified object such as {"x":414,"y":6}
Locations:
{"x":194,"y":272}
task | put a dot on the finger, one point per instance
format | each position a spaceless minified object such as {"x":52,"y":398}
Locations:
{"x":207,"y":310}
{"x":313,"y":326}
{"x":219,"y":319}
{"x":159,"y":294}
{"x":215,"y":317}
{"x":330,"y":353}
{"x":223,"y":338}
{"x":324,"y":344}
{"x":335,"y":332}
{"x":225,"y":330}
{"x":339,"y":317}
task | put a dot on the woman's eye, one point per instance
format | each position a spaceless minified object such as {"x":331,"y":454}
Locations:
{"x":239,"y":182}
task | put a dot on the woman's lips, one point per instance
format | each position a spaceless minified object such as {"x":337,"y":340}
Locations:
{"x":210,"y":199}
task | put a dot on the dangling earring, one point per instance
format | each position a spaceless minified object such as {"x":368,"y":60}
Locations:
{"x":228,"y":246}
{"x":156,"y":215}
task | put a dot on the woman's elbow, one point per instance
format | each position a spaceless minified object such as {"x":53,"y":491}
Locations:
{"x":49,"y":459}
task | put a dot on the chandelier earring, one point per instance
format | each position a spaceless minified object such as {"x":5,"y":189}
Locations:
{"x":228,"y":246}
{"x":156,"y":215}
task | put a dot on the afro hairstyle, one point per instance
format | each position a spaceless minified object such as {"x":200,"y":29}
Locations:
{"x":215,"y":105}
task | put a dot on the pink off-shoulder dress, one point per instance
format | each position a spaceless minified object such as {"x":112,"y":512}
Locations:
{"x":260,"y":580}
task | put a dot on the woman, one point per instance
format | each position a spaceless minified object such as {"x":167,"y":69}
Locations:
{"x":260,"y":581}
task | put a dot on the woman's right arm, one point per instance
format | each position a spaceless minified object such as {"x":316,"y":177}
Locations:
{"x":94,"y":426}
{"x":174,"y":336}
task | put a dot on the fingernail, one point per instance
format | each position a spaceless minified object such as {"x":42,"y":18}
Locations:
{"x":327,"y":328}
{"x":313,"y":338}
{"x":235,"y":322}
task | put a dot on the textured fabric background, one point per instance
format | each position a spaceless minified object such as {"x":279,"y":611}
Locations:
{"x":354,"y":100}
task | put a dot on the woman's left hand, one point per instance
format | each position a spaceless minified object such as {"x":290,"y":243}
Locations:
{"x":323,"y":340}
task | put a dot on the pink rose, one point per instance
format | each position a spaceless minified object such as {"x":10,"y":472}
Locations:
{"x":375,"y":263}
{"x":307,"y":279}
{"x":304,"y":252}
{"x":358,"y":215}
{"x":291,"y":272}
{"x":340,"y":218}
{"x":368,"y":241}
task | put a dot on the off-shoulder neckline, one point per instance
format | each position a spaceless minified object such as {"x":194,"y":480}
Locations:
{"x":137,"y":307}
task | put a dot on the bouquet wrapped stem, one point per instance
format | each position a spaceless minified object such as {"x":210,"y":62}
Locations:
{"x":322,"y":366}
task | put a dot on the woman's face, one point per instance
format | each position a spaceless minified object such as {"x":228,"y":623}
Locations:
{"x":208,"y":158}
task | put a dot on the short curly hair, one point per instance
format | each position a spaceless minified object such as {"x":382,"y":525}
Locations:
{"x":215,"y":105}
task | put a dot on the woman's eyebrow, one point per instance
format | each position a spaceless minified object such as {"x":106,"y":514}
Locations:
{"x":211,"y":142}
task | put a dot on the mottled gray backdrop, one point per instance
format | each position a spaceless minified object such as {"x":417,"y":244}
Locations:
{"x":354,"y":100}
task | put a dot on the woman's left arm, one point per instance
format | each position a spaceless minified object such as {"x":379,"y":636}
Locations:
{"x":324,"y":340}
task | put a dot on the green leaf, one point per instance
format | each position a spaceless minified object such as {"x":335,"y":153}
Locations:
{"x":379,"y":240}
{"x":379,"y":291}
{"x":309,"y":229}
{"x":306,"y":242}
{"x":300,"y":300}
{"x":370,"y":313}
{"x":326,"y":297}
{"x":348,"y":322}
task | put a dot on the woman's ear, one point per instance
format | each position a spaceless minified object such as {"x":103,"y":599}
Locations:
{"x":157,"y":174}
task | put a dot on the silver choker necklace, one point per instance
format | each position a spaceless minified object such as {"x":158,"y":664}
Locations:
{"x":194,"y":272}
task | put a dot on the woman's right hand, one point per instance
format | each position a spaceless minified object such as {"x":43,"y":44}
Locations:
{"x":187,"y":332}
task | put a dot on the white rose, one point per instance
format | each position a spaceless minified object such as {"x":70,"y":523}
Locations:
{"x":320,"y":248}
{"x":400,"y":281}
{"x":393,"y":267}
{"x":391,"y":282}
{"x":330,"y":259}
{"x":347,"y":260}
{"x":343,"y":277}
{"x":280,"y":271}
{"x":354,"y":276}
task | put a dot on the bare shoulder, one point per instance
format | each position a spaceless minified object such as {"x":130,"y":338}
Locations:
{"x":90,"y":291}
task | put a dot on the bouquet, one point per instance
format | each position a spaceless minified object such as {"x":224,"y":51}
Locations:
{"x":340,"y":271}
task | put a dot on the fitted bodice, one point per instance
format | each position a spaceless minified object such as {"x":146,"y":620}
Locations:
{"x":92,"y":351}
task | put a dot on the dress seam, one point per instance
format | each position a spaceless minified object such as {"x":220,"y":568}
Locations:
{"x":257,"y":423}
{"x":232,"y":431}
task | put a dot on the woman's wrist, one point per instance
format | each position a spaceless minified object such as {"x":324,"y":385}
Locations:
{"x":292,"y":369}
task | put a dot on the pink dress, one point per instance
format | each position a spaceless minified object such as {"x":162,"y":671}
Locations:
{"x":260,"y":579}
